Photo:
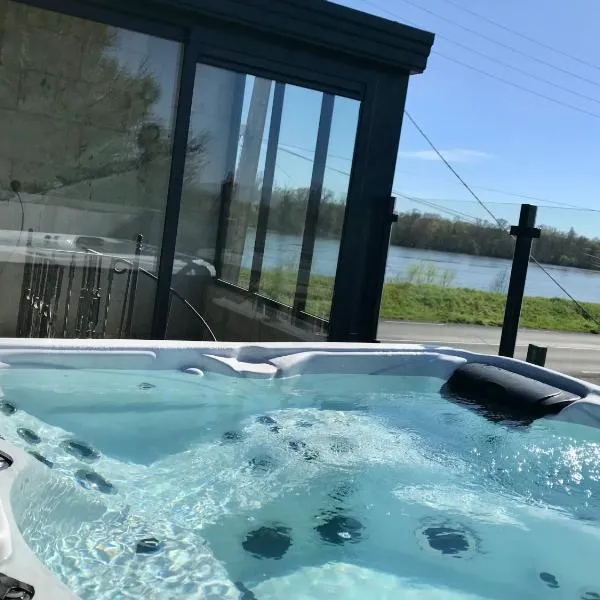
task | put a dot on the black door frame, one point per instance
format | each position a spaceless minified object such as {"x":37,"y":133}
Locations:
{"x":313,"y":44}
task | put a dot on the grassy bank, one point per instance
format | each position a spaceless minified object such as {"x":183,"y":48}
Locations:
{"x":437,"y":304}
{"x":448,"y":305}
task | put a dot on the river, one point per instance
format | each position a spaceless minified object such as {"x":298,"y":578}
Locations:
{"x":454,"y":270}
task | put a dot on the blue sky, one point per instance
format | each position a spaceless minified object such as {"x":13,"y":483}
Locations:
{"x":498,"y":136}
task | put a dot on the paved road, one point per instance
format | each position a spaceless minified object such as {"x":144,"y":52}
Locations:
{"x":577,"y":354}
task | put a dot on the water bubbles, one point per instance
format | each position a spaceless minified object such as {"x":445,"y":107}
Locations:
{"x":262,"y":463}
{"x":232,"y":436}
{"x":342,"y":492}
{"x":341,"y":446}
{"x":300,"y":446}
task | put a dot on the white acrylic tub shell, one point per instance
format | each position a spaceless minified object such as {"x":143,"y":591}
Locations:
{"x":240,"y":360}
{"x":16,"y":559}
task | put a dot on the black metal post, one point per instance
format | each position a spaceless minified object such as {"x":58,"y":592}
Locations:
{"x":267,"y":187}
{"x":69,"y":295}
{"x":536,"y":355}
{"x":135,"y":271}
{"x":358,"y":288}
{"x":524,"y":232}
{"x":25,"y":303}
{"x":379,"y":258}
{"x":171,"y":222}
{"x":314,"y":202}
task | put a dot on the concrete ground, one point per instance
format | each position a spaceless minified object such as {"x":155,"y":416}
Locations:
{"x":577,"y":354}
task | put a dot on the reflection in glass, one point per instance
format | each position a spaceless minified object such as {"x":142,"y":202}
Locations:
{"x":295,"y":159}
{"x":262,"y":198}
{"x":330,"y":219}
{"x":86,"y":113}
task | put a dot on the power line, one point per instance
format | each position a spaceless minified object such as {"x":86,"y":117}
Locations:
{"x":416,"y":199}
{"x":424,"y":202}
{"x":559,"y":205}
{"x":329,"y":155}
{"x":290,"y":178}
{"x":518,"y":86}
{"x":555,"y":206}
{"x":501,"y":44}
{"x":478,"y":187}
{"x":524,"y":36}
{"x":497,"y":77}
{"x":298,"y":155}
{"x":496,"y":60}
{"x":581,"y":308}
{"x":443,"y":159}
{"x":523,"y":71}
{"x":534,"y":198}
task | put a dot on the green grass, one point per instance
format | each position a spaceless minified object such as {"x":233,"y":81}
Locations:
{"x":280,"y":284}
{"x":450,"y":305}
{"x":436,"y":304}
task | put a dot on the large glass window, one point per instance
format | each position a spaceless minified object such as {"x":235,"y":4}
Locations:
{"x":86,"y":114}
{"x":266,"y":178}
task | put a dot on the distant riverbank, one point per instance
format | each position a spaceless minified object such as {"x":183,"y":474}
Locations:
{"x":428,"y":266}
{"x":429,"y":231}
{"x":437,"y":304}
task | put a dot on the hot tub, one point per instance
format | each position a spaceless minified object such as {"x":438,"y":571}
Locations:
{"x":182,"y":470}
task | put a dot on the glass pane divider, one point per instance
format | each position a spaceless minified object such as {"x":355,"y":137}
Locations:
{"x":267,"y":187}
{"x":314,"y":201}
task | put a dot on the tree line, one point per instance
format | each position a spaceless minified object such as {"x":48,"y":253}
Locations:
{"x":432,"y":232}
{"x":481,"y":238}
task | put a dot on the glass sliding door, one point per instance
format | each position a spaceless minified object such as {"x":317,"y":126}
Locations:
{"x":86,"y":114}
{"x":266,"y":177}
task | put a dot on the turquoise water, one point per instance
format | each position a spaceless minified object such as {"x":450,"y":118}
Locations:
{"x":314,"y":487}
